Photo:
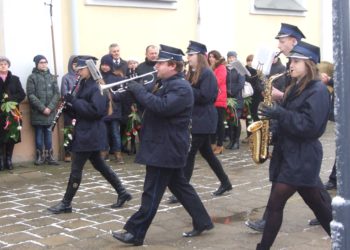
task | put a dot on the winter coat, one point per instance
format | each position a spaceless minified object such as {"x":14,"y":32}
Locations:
{"x":277,"y":68}
{"x":42,"y":92}
{"x":297,"y":154}
{"x":165,"y":127}
{"x":122,"y":66}
{"x":145,"y":67}
{"x":116,"y":99}
{"x":235,"y":84}
{"x":69,"y":79}
{"x":89,"y":107}
{"x":13,"y":88}
{"x":205,"y":117}
{"x":220,"y":73}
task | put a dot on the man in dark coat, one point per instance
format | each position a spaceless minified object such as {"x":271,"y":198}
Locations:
{"x":164,"y":148}
{"x":119,"y":64}
{"x":149,"y":63}
{"x":88,"y":107}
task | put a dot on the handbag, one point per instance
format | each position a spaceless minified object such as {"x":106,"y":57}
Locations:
{"x":247,"y":90}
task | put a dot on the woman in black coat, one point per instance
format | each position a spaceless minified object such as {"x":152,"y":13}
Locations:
{"x":88,"y":106}
{"x":204,"y":116}
{"x":10,"y":90}
{"x":297,"y":155}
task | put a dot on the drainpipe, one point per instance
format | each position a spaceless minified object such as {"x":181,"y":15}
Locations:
{"x":75,"y":27}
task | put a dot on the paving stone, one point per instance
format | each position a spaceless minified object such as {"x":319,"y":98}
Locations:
{"x":28,"y":191}
{"x":18,"y":237}
{"x":57,"y":240}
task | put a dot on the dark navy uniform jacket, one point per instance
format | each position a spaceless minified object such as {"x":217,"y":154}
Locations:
{"x":205,"y":117}
{"x":297,"y":154}
{"x":165,"y":125}
{"x":89,"y":106}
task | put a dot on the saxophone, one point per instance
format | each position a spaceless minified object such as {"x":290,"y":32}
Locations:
{"x":260,"y":138}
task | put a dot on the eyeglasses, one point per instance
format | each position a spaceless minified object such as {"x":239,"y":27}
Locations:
{"x":43,"y":62}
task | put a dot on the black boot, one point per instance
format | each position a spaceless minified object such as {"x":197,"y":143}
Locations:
{"x":40,"y":159}
{"x":65,"y":206}
{"x":257,"y":225}
{"x":122,"y":198}
{"x":62,"y":207}
{"x":123,"y":195}
{"x":237,"y":134}
{"x":8,"y":155}
{"x":227,"y":186}
{"x":231,"y":133}
{"x":49,"y":158}
{"x":229,"y":145}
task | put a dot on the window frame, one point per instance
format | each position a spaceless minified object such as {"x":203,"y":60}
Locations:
{"x":256,"y":11}
{"x":152,"y":4}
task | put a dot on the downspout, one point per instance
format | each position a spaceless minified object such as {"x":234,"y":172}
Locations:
{"x":75,"y":27}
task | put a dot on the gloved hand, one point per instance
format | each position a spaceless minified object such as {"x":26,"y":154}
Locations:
{"x":270,"y":112}
{"x":134,"y":86}
{"x":68,"y":98}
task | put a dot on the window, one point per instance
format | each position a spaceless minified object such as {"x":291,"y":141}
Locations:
{"x":155,"y":4}
{"x":279,"y":7}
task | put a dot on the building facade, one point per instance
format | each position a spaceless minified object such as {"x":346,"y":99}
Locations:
{"x":90,"y":26}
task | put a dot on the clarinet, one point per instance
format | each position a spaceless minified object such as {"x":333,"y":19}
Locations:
{"x":62,"y":106}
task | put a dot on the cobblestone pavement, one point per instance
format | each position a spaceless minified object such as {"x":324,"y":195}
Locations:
{"x":28,"y":190}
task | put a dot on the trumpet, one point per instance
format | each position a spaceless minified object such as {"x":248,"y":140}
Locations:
{"x":123,"y":84}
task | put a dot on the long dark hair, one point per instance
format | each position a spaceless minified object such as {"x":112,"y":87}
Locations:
{"x":311,"y":74}
{"x":193,"y":74}
{"x":219,"y":59}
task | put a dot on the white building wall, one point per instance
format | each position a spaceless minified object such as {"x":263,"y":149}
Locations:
{"x":27,"y":32}
{"x":327,"y":31}
{"x":215,"y":27}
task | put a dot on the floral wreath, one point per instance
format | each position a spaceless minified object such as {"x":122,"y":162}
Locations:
{"x":133,"y":125}
{"x":68,"y":133}
{"x":11,"y":119}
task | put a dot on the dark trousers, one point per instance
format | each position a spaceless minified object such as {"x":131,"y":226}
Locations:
{"x":78,"y":161}
{"x":157,"y":179}
{"x":201,"y":142}
{"x":218,"y":137}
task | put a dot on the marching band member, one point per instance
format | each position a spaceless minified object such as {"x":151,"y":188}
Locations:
{"x":164,"y":148}
{"x":288,"y":37}
{"x":88,"y":106}
{"x":204,"y":118}
{"x":297,"y":155}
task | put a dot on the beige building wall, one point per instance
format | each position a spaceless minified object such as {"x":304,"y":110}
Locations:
{"x":132,"y":28}
{"x":231,"y":25}
{"x":90,"y":29}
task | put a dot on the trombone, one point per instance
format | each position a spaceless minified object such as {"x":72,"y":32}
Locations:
{"x":123,"y":84}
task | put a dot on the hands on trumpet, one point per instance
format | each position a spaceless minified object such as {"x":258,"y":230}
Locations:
{"x":124,"y":84}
